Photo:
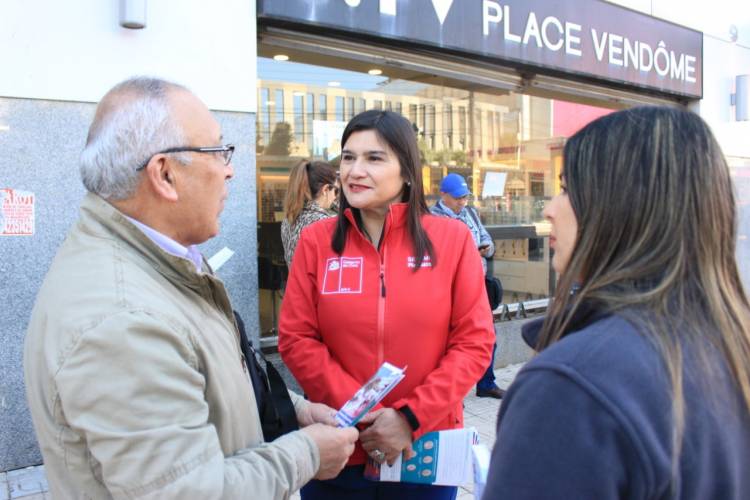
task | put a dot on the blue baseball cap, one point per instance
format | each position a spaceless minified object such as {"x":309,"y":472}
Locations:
{"x":454,"y":185}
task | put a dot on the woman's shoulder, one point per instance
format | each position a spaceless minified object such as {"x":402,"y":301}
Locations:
{"x":609,"y":339}
{"x":313,"y":213}
{"x":609,"y":358}
{"x":319,"y":225}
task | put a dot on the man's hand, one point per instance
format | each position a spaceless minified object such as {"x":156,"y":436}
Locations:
{"x":389,"y":433}
{"x":335,"y":446}
{"x":483,"y":251}
{"x":316,"y":413}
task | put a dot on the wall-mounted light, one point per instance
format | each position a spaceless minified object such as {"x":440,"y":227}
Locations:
{"x":375,"y":72}
{"x":133,"y":14}
{"x":281,"y":57}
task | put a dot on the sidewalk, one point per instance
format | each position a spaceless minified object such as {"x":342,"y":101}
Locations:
{"x":31,"y":483}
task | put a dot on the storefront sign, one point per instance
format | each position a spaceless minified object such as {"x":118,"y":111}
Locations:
{"x":16,"y":212}
{"x":591,"y":38}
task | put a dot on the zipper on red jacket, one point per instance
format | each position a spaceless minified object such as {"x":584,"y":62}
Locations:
{"x":381,"y":309}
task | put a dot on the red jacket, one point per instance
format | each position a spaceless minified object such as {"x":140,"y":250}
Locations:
{"x":340,"y":320}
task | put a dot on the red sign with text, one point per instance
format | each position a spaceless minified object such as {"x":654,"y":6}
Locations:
{"x":16,"y":212}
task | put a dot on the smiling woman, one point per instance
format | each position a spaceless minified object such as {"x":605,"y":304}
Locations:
{"x":379,"y":166}
{"x":386,"y":281}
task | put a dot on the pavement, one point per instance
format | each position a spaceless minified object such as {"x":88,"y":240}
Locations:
{"x":31,"y":483}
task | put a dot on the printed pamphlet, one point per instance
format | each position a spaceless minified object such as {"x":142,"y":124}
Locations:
{"x":442,"y":458}
{"x":481,"y":455}
{"x":369,"y":394}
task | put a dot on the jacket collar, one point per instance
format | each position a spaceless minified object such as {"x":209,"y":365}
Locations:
{"x":395,"y":217}
{"x":101,"y":219}
{"x":586,"y":315}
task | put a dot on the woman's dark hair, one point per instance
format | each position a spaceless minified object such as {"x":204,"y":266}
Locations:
{"x":305,"y":182}
{"x":397,"y":132}
{"x":656,"y":215}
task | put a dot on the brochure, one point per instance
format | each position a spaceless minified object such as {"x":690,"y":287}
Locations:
{"x":481,"y":455}
{"x":369,"y":394}
{"x":442,"y":458}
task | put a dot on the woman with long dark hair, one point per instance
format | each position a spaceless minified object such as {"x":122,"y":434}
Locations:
{"x":386,"y":281}
{"x":642,"y":386}
{"x":310,"y":196}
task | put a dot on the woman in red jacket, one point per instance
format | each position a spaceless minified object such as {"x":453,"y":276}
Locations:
{"x":386,"y":281}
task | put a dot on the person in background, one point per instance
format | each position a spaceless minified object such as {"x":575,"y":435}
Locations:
{"x":386,"y":281}
{"x":310,"y":196}
{"x":134,"y":375}
{"x":453,"y":203}
{"x":641,"y":389}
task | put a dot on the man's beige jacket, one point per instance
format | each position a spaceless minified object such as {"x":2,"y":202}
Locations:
{"x":135,"y":379}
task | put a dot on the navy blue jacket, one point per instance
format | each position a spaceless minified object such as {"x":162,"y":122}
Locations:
{"x":590,"y":418}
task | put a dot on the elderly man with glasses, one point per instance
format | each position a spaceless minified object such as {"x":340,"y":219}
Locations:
{"x":135,"y":378}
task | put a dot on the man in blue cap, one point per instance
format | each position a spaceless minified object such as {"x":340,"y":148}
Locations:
{"x":454,"y":196}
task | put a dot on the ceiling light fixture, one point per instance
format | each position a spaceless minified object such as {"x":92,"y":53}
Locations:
{"x":334,"y":84}
{"x":4,"y":128}
{"x":375,"y":72}
{"x":281,"y":57}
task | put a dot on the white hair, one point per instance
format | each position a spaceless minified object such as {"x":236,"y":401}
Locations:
{"x":132,"y":123}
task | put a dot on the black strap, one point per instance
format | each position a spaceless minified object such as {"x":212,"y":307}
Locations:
{"x":410,"y":417}
{"x":275,"y":407}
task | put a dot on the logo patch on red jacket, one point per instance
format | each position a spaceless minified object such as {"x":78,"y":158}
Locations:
{"x":411,"y":261}
{"x":343,"y":275}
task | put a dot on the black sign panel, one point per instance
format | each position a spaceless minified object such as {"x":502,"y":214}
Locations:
{"x":586,"y":37}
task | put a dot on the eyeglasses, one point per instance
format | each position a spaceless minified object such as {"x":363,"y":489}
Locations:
{"x":226,"y":151}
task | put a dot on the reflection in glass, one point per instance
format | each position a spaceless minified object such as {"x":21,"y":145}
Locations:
{"x":507,"y":145}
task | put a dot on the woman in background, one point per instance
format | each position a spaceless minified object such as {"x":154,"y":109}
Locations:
{"x":312,"y":191}
{"x":642,"y":386}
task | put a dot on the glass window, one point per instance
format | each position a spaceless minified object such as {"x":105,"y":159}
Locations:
{"x":323,"y":107}
{"x":309,"y":117}
{"x":340,"y":108}
{"x":299,"y":117}
{"x":462,"y":126}
{"x":507,"y":145}
{"x":413,"y":113}
{"x":265,"y":115}
{"x":430,"y":125}
{"x":421,"y":111}
{"x":279,"y":104}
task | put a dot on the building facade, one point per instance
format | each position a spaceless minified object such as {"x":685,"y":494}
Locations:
{"x":493,"y":89}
